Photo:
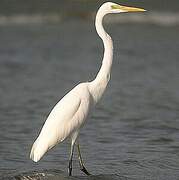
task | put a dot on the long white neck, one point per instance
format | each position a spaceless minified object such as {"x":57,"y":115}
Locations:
{"x":98,"y":85}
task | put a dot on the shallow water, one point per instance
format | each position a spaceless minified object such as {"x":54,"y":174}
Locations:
{"x":134,"y":131}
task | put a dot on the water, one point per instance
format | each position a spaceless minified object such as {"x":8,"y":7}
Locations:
{"x":134,"y":130}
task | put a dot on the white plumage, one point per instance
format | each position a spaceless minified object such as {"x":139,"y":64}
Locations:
{"x":65,"y":119}
{"x":70,"y":113}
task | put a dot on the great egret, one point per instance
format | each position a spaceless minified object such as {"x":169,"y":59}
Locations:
{"x":70,"y":113}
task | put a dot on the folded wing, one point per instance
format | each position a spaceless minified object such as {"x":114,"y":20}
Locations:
{"x":61,"y":122}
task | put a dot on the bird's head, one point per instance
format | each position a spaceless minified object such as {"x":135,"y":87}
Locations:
{"x":111,"y":7}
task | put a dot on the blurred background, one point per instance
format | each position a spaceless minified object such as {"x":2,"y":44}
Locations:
{"x":49,"y":46}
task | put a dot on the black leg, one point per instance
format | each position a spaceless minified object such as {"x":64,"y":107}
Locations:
{"x":70,"y":160}
{"x":82,"y":167}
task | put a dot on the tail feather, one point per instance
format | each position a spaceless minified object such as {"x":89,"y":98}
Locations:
{"x":37,"y":151}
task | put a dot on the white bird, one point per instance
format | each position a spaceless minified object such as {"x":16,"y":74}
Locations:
{"x":71,"y":112}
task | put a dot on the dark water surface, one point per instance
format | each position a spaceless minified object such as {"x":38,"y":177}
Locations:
{"x":134,"y":131}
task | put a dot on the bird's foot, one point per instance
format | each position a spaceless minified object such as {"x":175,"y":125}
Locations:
{"x":70,"y":168}
{"x":69,"y":172}
{"x":85,"y":170}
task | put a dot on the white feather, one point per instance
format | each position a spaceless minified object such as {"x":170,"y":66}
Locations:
{"x":69,"y":114}
{"x":65,"y":118}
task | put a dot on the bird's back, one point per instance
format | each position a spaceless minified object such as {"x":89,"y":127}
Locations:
{"x":65,"y":118}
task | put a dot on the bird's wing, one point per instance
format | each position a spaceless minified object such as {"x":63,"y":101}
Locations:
{"x":59,"y":123}
{"x":65,"y":117}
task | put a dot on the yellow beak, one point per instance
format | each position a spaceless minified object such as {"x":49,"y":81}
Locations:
{"x":127,"y":9}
